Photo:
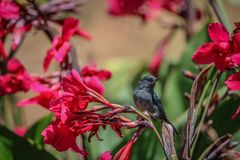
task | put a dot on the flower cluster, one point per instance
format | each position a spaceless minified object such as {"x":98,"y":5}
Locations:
{"x":67,"y":93}
{"x":146,"y":9}
{"x":223,"y":51}
{"x":61,"y":45}
{"x":73,"y":118}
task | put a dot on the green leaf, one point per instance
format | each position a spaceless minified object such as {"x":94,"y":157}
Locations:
{"x":222,"y":123}
{"x":34,"y":133}
{"x":222,"y":117}
{"x":13,"y":147}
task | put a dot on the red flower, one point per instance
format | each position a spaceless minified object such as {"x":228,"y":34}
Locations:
{"x":62,"y":133}
{"x":61,"y":45}
{"x":105,"y":156}
{"x":157,"y":59}
{"x":125,"y":152}
{"x":8,"y":10}
{"x":219,"y":51}
{"x":76,"y":94}
{"x":61,"y":137}
{"x":236,"y":45}
{"x":20,"y":131}
{"x":45,"y":96}
{"x":92,"y":77}
{"x":233,"y":81}
{"x":17,"y":78}
{"x":146,"y":9}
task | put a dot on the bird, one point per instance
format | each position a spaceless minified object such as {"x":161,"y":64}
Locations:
{"x":148,"y":101}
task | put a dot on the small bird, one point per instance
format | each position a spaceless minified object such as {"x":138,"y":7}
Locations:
{"x":147,"y":100}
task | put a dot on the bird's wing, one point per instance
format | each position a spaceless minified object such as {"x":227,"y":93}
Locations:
{"x":158,"y":104}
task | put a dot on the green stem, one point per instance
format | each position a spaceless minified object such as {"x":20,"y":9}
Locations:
{"x":152,"y":126}
{"x":205,"y":112}
{"x":221,"y":14}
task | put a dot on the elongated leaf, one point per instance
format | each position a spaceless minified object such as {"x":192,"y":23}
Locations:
{"x":34,"y":133}
{"x":190,"y":126}
{"x":186,"y":62}
{"x":168,"y":140}
{"x":221,"y":148}
{"x":222,"y":122}
{"x":211,"y":150}
{"x":13,"y":147}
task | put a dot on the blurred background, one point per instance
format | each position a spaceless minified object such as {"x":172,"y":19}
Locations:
{"x":120,"y":44}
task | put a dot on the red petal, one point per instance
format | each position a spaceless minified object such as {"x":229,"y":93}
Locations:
{"x":42,"y":99}
{"x":61,"y":137}
{"x":125,"y":152}
{"x":84,"y":34}
{"x":236,"y":113}
{"x":62,"y":51}
{"x":3,"y":52}
{"x":105,"y":156}
{"x":9,"y":10}
{"x":236,"y":58}
{"x":218,"y":33}
{"x":70,"y":26}
{"x":20,"y":131}
{"x":157,"y":59}
{"x":236,"y":42}
{"x":48,"y":59}
{"x":14,"y":66}
{"x":233,"y":81}
{"x":94,"y":83}
{"x":205,"y":54}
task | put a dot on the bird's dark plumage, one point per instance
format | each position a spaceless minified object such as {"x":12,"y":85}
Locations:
{"x":147,"y":100}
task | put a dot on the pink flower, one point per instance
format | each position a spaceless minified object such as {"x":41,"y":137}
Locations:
{"x":219,"y":51}
{"x":233,"y":81}
{"x":16,"y":79}
{"x":61,"y":137}
{"x":105,"y":156}
{"x":20,"y":131}
{"x":8,"y":10}
{"x":60,"y":45}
